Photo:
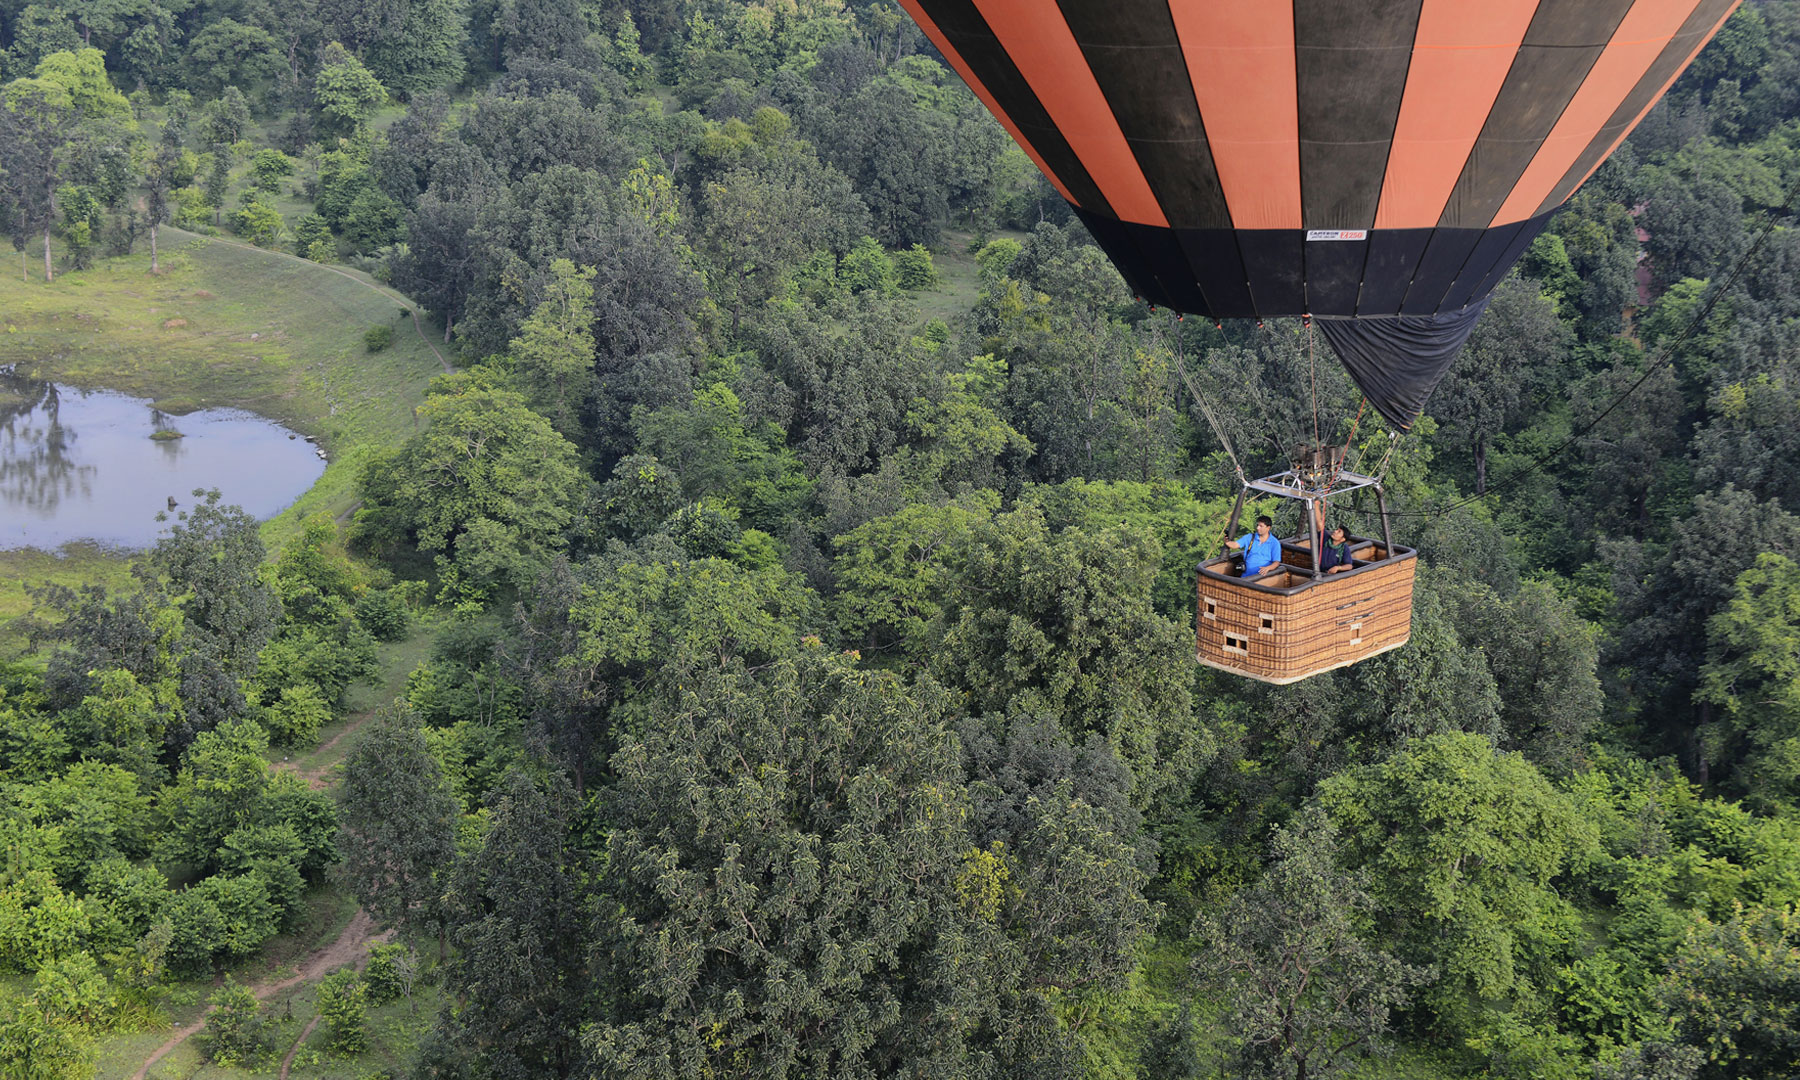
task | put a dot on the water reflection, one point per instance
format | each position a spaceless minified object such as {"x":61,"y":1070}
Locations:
{"x":36,"y":467}
{"x":79,"y":465}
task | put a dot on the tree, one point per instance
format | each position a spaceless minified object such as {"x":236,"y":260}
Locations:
{"x":343,"y":1000}
{"x":1752,"y":673}
{"x":237,"y":1034}
{"x":345,"y":92}
{"x":792,"y":886}
{"x":81,"y":75}
{"x":1306,"y":996}
{"x":488,"y":486}
{"x":1041,"y":624}
{"x":218,"y":178}
{"x":226,"y":119}
{"x":1734,"y":987}
{"x":1461,"y":844}
{"x":517,"y":909}
{"x":424,"y":52}
{"x":1516,"y":340}
{"x":554,"y":352}
{"x":158,"y":179}
{"x":39,"y":116}
{"x":398,"y":833}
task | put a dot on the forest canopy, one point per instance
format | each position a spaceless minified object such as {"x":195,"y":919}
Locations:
{"x":781,"y":607}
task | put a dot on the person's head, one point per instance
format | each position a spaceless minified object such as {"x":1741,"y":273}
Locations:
{"x":1263,"y":525}
{"x":1337,"y":534}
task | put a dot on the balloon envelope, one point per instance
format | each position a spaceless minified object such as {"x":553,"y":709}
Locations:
{"x":1377,"y":164}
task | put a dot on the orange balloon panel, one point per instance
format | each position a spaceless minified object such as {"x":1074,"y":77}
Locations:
{"x":1375,"y":158}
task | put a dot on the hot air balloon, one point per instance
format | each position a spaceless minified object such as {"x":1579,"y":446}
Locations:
{"x":1376,"y":166}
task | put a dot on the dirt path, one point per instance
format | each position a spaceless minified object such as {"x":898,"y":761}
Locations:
{"x":315,"y":778}
{"x":287,"y":1062}
{"x":390,"y":294}
{"x":351,"y":947}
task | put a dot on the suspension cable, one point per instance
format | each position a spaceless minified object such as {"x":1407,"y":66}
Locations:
{"x":1205,"y":406}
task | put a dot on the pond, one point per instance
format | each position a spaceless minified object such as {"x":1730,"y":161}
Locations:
{"x":98,"y":465}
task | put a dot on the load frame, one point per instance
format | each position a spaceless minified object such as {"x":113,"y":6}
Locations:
{"x":1298,"y":622}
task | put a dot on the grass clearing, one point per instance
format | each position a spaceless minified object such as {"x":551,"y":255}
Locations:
{"x":959,"y":278}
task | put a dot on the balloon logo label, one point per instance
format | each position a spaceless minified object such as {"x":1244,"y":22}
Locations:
{"x":1337,"y":234}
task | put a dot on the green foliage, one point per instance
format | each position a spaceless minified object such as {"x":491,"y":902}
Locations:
{"x":237,"y":1035}
{"x":399,"y":822}
{"x":377,"y":338}
{"x":488,"y":486}
{"x":220,"y":918}
{"x":1733,"y":986}
{"x":81,"y":75}
{"x":554,"y":352}
{"x":1306,"y":995}
{"x":268,"y":167}
{"x":383,"y":614}
{"x":294,"y":719}
{"x":913,"y":268}
{"x":1461,"y":844}
{"x":867,"y":268}
{"x":39,"y":922}
{"x":37,"y":1045}
{"x":346,"y":92}
{"x":258,"y":221}
{"x":1752,"y":672}
{"x":741,"y":840}
{"x":1062,"y":625}
{"x":343,"y":1000}
{"x":392,"y":972}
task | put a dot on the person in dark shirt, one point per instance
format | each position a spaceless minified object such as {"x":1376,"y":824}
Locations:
{"x":1335,"y":557}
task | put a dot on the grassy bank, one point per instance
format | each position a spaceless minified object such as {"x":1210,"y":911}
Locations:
{"x":221,"y":326}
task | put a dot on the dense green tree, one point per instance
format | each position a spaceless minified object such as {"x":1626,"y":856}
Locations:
{"x":554,"y":352}
{"x":343,"y":1000}
{"x":1515,"y":341}
{"x":797,"y":889}
{"x":1462,"y":844}
{"x":1062,"y":625}
{"x":346,"y":92}
{"x":425,"y":52}
{"x":237,"y":1034}
{"x":1307,"y":995}
{"x":399,"y":820}
{"x":1733,"y":989}
{"x":1752,"y":677}
{"x":488,"y":487}
{"x":517,"y":908}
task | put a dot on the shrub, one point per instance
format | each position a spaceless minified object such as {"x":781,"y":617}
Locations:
{"x":867,"y":268}
{"x":914,"y":269}
{"x":237,"y":1034}
{"x":344,"y":1006}
{"x":294,"y":719}
{"x":309,"y":230}
{"x":378,"y":338}
{"x":392,"y":972}
{"x":382,"y":615}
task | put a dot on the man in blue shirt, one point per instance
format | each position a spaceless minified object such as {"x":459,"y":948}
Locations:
{"x":1262,"y":552}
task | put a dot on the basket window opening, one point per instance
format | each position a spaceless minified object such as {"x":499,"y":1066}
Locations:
{"x":1237,"y":643}
{"x":1356,"y":634}
{"x":1266,"y":623}
{"x":1212,"y":608}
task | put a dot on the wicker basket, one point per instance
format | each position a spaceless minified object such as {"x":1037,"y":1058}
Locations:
{"x":1286,"y":626}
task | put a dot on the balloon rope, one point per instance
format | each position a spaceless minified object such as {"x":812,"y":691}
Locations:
{"x":1312,"y":364}
{"x":1205,"y":407}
